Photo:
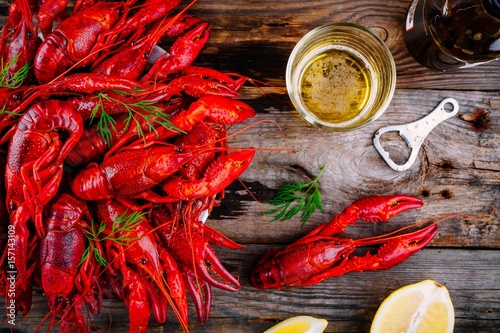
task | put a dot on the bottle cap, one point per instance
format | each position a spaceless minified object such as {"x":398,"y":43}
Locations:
{"x":492,"y":7}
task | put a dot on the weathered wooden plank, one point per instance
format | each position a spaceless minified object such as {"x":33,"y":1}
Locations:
{"x":456,"y":171}
{"x":360,"y":294}
{"x":270,"y":30}
{"x":349,"y":302}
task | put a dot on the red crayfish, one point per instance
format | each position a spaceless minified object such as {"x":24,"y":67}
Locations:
{"x":320,"y":255}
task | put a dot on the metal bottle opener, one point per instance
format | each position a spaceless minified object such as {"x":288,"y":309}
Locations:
{"x":414,"y":133}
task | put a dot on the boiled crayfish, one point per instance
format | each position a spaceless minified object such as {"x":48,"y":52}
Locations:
{"x":111,"y":159}
{"x":319,"y":255}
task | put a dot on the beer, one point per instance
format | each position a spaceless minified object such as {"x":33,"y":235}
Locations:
{"x":335,"y":85}
{"x":450,"y":34}
{"x":340,"y":76}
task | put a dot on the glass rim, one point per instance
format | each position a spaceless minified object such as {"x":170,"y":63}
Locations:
{"x":350,"y":124}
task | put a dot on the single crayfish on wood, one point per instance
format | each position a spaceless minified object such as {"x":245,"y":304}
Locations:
{"x":320,"y":255}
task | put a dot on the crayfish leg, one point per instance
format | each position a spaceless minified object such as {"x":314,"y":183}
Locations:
{"x":175,"y":283}
{"x":136,"y":300}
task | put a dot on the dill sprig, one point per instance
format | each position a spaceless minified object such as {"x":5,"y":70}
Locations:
{"x":4,"y":111}
{"x":106,"y":122}
{"x":16,"y":80}
{"x":297,"y":197}
{"x":123,"y":225}
{"x":147,"y":110}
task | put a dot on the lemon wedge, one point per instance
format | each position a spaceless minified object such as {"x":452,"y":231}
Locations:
{"x":299,"y":324}
{"x":423,"y":307}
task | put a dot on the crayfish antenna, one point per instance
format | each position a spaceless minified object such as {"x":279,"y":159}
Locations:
{"x":50,"y":315}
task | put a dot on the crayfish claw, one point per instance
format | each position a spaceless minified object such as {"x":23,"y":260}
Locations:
{"x":382,"y":208}
{"x":216,"y":238}
{"x":213,"y":272}
{"x":369,"y":209}
{"x":393,"y":252}
{"x":201,"y":294}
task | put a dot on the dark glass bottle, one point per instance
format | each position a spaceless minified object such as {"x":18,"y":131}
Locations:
{"x":451,"y":34}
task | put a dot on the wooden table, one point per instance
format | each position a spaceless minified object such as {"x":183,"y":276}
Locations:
{"x":457,"y":171}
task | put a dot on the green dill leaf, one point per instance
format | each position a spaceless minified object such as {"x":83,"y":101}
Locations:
{"x":282,"y":213}
{"x":120,"y":228}
{"x":280,"y":198}
{"x":294,"y":210}
{"x":312,"y":203}
{"x":102,"y":227}
{"x":98,"y":257}
{"x":127,"y":223}
{"x":318,"y":201}
{"x":16,"y":80}
{"x":106,"y":122}
{"x":3,"y":111}
{"x":272,"y":211}
{"x":297,"y":197}
{"x":138,"y":111}
{"x":85,"y":255}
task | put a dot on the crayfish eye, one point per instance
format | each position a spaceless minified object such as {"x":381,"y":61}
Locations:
{"x":59,"y":299}
{"x":178,"y":150}
{"x":185,"y":165}
{"x":144,"y":261}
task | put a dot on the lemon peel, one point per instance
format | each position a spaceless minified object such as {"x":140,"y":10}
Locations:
{"x":423,"y":307}
{"x":299,"y":324}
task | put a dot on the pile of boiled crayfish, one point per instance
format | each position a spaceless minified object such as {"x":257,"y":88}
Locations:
{"x":112,"y":156}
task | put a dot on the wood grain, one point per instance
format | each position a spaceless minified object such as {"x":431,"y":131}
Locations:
{"x":457,"y":171}
{"x":348,"y":302}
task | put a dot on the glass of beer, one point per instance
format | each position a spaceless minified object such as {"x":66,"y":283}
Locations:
{"x":340,"y":76}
